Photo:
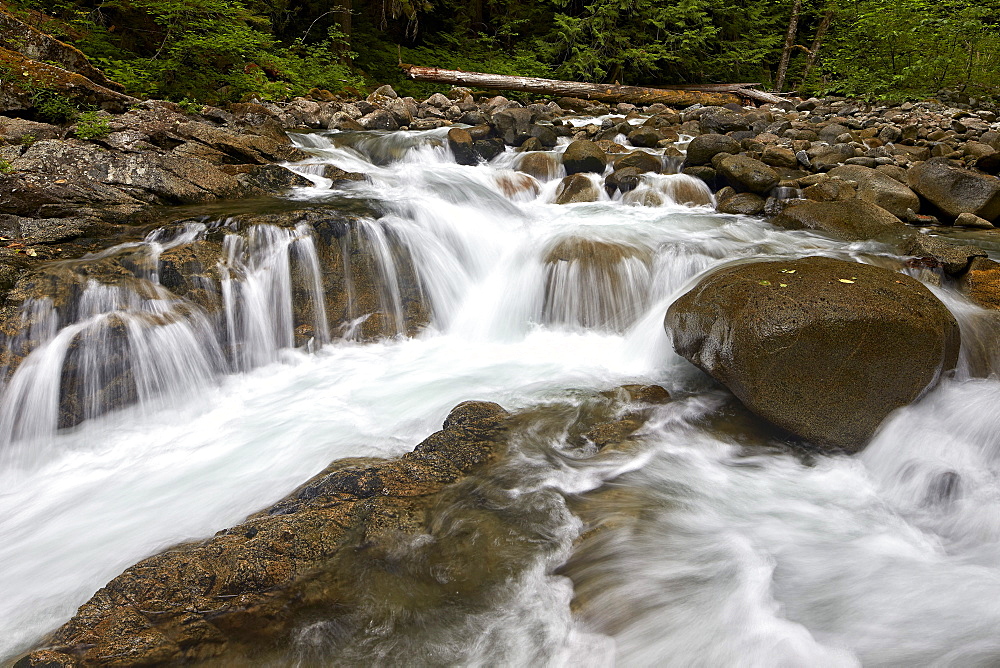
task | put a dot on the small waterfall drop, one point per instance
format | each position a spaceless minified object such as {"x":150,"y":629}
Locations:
{"x":160,"y":390}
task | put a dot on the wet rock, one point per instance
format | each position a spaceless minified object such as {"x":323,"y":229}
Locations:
{"x":488,"y":148}
{"x":336,"y":174}
{"x":542,"y":166}
{"x":622,"y":180}
{"x":460,"y":143}
{"x":953,"y":190}
{"x":643,"y":197}
{"x":879,"y":189}
{"x":640,"y":160}
{"x":577,"y":188}
{"x":584,"y":156}
{"x":703,"y":172}
{"x":646,"y":137}
{"x":953,"y":258}
{"x":746,"y":204}
{"x":703,"y":148}
{"x":746,"y":174}
{"x":516,"y":185}
{"x":720,"y":120}
{"x":513,"y":125}
{"x":531,"y":144}
{"x":48,"y":230}
{"x":323,"y":549}
{"x":981,"y":283}
{"x":853,"y":219}
{"x":545,"y":135}
{"x":269,"y":178}
{"x":973,"y":221}
{"x":823,"y":348}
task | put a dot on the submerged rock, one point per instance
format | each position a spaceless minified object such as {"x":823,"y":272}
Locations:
{"x":820,"y":347}
{"x":313,"y":553}
{"x":577,"y":188}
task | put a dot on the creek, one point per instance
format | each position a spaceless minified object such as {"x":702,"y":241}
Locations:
{"x":720,"y":545}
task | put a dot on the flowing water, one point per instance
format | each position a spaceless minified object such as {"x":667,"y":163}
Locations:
{"x":717,"y":546}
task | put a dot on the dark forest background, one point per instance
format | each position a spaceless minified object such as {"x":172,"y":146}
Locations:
{"x":226,"y":50}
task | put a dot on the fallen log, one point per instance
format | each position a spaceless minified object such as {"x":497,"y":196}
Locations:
{"x":586,"y":91}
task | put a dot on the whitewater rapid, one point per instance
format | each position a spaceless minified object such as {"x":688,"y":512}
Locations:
{"x":718,"y":548}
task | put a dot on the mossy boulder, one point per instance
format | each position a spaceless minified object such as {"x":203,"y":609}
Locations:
{"x":823,"y":348}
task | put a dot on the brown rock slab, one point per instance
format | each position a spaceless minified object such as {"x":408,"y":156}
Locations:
{"x":953,"y":190}
{"x":852,"y":219}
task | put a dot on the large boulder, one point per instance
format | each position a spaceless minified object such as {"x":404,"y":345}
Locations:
{"x":513,"y":125}
{"x":823,"y":348}
{"x":640,"y":160}
{"x":878,"y":188}
{"x":722,"y":120}
{"x":703,"y":148}
{"x":326,"y":547}
{"x":852,"y":219}
{"x":747,"y":174}
{"x":953,"y":190}
{"x":584,"y":155}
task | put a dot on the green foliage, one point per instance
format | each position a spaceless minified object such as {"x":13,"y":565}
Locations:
{"x":27,"y":139}
{"x":53,"y":106}
{"x":626,"y":40}
{"x":212,"y":51}
{"x":5,"y":167}
{"x":190,"y":106}
{"x":91,"y":125}
{"x":906,"y":48}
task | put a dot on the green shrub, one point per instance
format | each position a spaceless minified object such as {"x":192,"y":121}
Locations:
{"x":90,"y":125}
{"x":53,"y":107}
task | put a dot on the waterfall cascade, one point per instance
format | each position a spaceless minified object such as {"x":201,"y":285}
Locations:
{"x":162,"y":389}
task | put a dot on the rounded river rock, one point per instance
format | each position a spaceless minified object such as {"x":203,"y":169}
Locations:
{"x":823,"y":348}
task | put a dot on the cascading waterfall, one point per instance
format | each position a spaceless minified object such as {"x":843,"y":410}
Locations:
{"x":241,"y":357}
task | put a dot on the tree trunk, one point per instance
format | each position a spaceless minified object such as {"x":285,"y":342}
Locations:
{"x":587,"y":91}
{"x":343,"y":15}
{"x":824,"y":25}
{"x":786,"y":53}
